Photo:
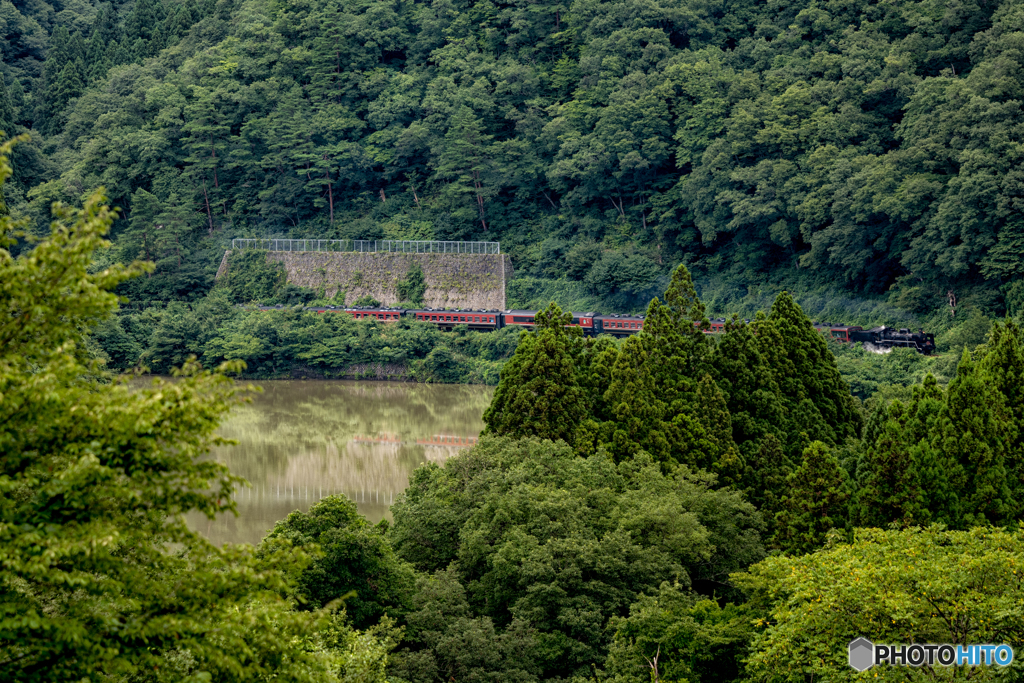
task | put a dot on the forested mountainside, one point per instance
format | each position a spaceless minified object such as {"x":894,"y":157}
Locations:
{"x":874,"y":144}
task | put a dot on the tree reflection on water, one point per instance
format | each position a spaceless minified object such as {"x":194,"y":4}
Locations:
{"x":299,"y":441}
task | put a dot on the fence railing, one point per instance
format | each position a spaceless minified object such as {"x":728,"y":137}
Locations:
{"x":369,"y":246}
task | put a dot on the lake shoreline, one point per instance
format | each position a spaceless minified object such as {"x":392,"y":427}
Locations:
{"x":366,"y":372}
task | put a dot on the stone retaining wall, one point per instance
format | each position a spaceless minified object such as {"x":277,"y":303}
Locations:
{"x":467,"y":281}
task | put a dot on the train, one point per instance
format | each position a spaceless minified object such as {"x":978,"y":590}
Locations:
{"x":617,"y":325}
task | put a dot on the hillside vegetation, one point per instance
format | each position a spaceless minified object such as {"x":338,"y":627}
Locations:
{"x":863,"y":148}
{"x":671,"y":508}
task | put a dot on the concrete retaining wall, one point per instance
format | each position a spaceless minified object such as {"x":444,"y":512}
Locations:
{"x":468,"y":281}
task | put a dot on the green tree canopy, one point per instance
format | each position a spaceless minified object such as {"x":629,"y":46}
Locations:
{"x":815,"y":504}
{"x":563,"y":543}
{"x":354,"y":561}
{"x":919,"y":585}
{"x":816,"y":399}
{"x":541,"y":391}
{"x":101,"y":577}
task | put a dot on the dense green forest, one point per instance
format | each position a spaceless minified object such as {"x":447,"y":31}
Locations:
{"x":671,"y":508}
{"x":289,"y":342}
{"x":666,"y":508}
{"x":862,"y":151}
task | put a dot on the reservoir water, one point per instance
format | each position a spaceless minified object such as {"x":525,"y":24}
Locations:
{"x":299,"y":441}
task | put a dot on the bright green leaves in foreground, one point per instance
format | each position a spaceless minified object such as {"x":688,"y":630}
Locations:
{"x":912,"y":586}
{"x":100,"y":578}
{"x":353,"y":561}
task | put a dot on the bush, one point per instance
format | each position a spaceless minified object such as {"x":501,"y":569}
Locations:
{"x":251,"y":277}
{"x":413,"y":287}
{"x":366,"y":301}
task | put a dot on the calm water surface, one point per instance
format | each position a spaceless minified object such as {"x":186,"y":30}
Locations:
{"x":299,"y":441}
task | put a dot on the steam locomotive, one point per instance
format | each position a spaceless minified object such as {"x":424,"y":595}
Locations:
{"x":618,"y":325}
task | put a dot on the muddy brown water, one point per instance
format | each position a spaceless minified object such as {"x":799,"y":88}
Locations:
{"x":299,"y":441}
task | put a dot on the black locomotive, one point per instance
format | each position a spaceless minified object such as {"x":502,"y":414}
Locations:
{"x":619,"y":325}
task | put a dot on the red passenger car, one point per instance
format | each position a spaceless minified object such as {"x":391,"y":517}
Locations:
{"x":447,"y":319}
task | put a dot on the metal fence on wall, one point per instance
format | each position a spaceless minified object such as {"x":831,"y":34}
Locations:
{"x":393,"y":246}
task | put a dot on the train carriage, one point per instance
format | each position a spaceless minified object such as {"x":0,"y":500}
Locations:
{"x":447,"y":319}
{"x":382,"y":314}
{"x":584,"y":321}
{"x":843,"y":334}
{"x":619,"y":325}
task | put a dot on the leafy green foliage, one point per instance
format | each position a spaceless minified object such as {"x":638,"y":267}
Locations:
{"x":252,"y":277}
{"x":675,"y":634}
{"x":366,"y":301}
{"x":101,"y":577}
{"x":444,"y":640}
{"x":354,"y":562}
{"x":836,"y":142}
{"x":815,"y":504}
{"x":906,"y":477}
{"x":911,"y":586}
{"x":974,"y":431}
{"x":540,"y":392}
{"x":563,"y":543}
{"x":815,"y":399}
{"x":287,"y":342}
{"x":413,"y":287}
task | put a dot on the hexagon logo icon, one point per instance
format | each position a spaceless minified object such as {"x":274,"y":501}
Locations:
{"x":862,"y":654}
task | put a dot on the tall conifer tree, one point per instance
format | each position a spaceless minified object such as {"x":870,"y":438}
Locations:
{"x":816,"y":503}
{"x":748,"y":383}
{"x":903,"y":476}
{"x":540,"y":392}
{"x":766,"y":479}
{"x":1002,"y":368}
{"x":976,"y":431}
{"x":815,"y":396}
{"x":660,"y":399}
